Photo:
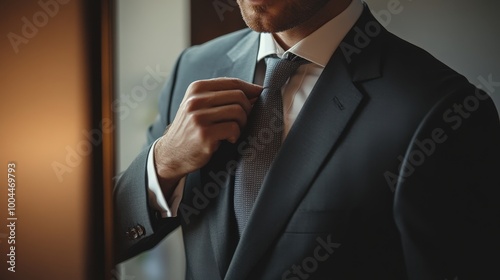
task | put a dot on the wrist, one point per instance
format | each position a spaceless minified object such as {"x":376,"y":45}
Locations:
{"x":167,"y":171}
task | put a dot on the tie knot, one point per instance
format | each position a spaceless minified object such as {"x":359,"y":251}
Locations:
{"x":279,"y":70}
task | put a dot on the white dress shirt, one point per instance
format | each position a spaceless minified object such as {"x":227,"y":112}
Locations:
{"x":317,"y":48}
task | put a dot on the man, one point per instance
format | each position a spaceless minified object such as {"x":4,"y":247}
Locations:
{"x":387,"y":166}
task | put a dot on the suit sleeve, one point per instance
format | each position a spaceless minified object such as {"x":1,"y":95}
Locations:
{"x":447,"y":202}
{"x":137,"y":226}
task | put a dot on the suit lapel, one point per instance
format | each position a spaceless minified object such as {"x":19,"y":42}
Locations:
{"x":312,"y":139}
{"x":239,"y":63}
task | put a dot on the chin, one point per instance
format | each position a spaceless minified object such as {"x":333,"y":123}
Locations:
{"x":264,"y":21}
{"x":261,"y":24}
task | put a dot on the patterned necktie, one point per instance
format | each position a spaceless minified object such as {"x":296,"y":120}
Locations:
{"x":263,"y":136}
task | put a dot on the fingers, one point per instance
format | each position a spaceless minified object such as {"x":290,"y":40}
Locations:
{"x":222,"y":84}
{"x":211,"y":111}
{"x":220,"y":114}
{"x":220,"y":98}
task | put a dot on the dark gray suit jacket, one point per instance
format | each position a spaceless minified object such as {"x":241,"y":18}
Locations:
{"x":391,"y":171}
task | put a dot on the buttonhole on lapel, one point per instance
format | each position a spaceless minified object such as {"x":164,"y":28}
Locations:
{"x":338,"y":103}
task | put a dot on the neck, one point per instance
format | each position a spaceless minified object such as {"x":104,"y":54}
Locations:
{"x":292,"y":36}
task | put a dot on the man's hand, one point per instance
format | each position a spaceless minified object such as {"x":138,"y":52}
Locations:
{"x":211,"y":111}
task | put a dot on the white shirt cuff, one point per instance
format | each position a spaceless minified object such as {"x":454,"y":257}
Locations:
{"x":155,"y":195}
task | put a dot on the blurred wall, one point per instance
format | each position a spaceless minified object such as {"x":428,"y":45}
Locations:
{"x":44,"y":114}
{"x":150,"y":35}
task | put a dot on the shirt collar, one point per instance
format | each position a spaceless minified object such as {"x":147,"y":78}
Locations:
{"x":320,"y":45}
